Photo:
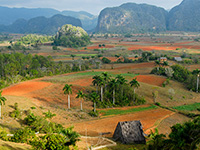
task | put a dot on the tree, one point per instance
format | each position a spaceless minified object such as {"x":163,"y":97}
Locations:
{"x":101,"y":83}
{"x":72,"y":55}
{"x":135,"y":84}
{"x":157,"y":62}
{"x":2,"y":101}
{"x":112,"y":85}
{"x":94,"y":98}
{"x":81,"y":96}
{"x":96,"y":80}
{"x":67,"y":90}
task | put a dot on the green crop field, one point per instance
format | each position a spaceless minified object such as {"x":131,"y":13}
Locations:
{"x":191,"y":107}
{"x":122,"y":112}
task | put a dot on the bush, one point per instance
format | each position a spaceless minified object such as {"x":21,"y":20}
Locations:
{"x":94,"y":114}
{"x":23,"y":136}
{"x":106,"y":60}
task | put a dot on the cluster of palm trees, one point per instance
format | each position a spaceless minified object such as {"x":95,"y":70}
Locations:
{"x":118,"y":88}
{"x":110,"y":91}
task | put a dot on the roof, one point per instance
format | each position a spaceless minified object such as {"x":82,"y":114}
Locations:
{"x":178,"y":58}
{"x":129,"y":132}
{"x":163,"y":58}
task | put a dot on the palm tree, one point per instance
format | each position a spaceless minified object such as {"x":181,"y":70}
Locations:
{"x":95,"y":82}
{"x":81,"y":96}
{"x":94,"y":98}
{"x":135,"y":84}
{"x":101,"y":83}
{"x":120,"y":80}
{"x":67,"y":90}
{"x":106,"y":78}
{"x":112,"y":85}
{"x":2,"y":101}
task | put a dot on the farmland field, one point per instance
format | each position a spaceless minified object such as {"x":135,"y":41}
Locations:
{"x":46,"y":93}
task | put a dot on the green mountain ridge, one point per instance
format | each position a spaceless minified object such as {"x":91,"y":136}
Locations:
{"x":134,"y":18}
{"x":88,"y":20}
{"x":40,"y":25}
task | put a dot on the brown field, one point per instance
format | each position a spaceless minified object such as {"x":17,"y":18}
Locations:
{"x":47,"y":93}
{"x":25,"y":87}
{"x":103,"y":125}
{"x":151,"y":79}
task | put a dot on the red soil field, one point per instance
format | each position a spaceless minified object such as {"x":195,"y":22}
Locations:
{"x":140,"y":65}
{"x":150,"y":48}
{"x":151,"y":79}
{"x":25,"y":88}
{"x":82,"y":82}
{"x":148,"y":119}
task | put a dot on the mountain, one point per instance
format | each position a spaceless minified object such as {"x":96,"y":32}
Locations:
{"x":131,"y":17}
{"x":185,"y":17}
{"x":88,"y":20}
{"x":10,"y":15}
{"x":40,"y":25}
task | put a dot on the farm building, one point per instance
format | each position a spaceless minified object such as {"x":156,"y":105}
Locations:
{"x":178,"y":59}
{"x":129,"y":132}
{"x":162,"y":59}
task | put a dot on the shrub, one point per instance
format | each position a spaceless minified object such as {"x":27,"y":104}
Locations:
{"x":23,"y":136}
{"x":94,"y":114}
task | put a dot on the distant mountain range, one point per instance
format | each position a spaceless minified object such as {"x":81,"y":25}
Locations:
{"x":131,"y":17}
{"x":40,"y":25}
{"x":127,"y":18}
{"x":10,"y":15}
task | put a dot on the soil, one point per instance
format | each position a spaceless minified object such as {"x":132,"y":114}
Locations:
{"x":151,"y":79}
{"x":25,"y":88}
{"x":94,"y":128}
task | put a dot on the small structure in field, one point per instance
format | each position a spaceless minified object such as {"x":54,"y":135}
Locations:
{"x":178,"y":59}
{"x":129,"y":132}
{"x":162,"y":59}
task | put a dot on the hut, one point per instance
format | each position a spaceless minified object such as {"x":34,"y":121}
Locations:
{"x":129,"y":132}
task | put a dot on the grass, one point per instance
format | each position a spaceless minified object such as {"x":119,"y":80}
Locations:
{"x":122,"y":112}
{"x":191,"y":107}
{"x":4,"y":145}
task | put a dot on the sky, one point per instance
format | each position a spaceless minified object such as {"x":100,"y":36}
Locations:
{"x":91,"y":6}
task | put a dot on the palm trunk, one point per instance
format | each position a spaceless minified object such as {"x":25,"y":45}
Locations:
{"x":101,"y":93}
{"x":96,"y":89}
{"x":113,"y":96}
{"x":94,"y":106}
{"x":134,"y":94}
{"x":81,"y":105}
{"x":68,"y":101}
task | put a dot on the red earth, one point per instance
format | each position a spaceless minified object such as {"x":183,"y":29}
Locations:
{"x":151,"y":79}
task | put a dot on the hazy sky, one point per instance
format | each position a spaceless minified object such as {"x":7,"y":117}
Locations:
{"x":92,"y":6}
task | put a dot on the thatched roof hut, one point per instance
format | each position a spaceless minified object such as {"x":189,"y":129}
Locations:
{"x":129,"y":132}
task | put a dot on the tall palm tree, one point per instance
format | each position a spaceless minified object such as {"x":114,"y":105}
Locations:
{"x":94,"y":98}
{"x":81,"y":96}
{"x":112,"y":85}
{"x":2,"y":101}
{"x":67,"y":90}
{"x":120,"y":81}
{"x":106,"y":78}
{"x":95,"y":82}
{"x":101,"y":83}
{"x":135,"y":84}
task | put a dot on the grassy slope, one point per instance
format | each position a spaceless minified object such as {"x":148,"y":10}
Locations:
{"x":13,"y":146}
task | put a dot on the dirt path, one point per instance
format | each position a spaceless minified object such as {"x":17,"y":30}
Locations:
{"x":148,"y":119}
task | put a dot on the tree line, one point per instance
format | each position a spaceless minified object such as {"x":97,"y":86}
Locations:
{"x":17,"y":67}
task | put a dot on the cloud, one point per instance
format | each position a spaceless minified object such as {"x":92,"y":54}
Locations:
{"x":93,"y":6}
